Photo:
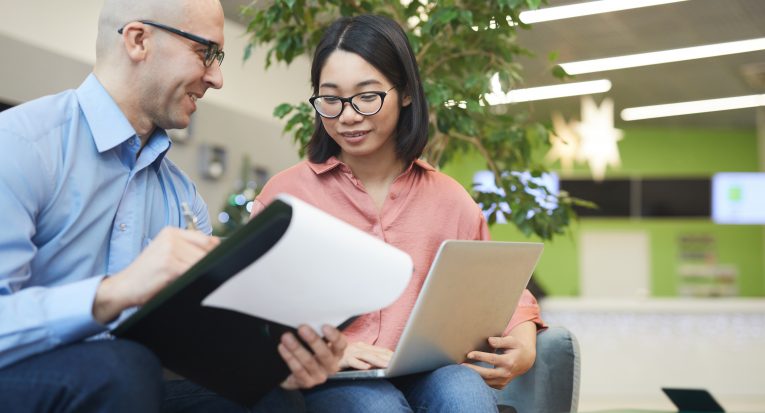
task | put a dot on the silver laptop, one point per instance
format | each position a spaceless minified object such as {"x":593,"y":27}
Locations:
{"x":469,"y":295}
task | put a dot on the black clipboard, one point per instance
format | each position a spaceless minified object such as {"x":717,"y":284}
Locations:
{"x":228,"y":352}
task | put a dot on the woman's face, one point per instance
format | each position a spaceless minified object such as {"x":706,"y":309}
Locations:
{"x":345,"y":74}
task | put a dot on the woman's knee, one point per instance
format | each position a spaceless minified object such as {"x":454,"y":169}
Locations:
{"x":368,"y":396}
{"x":455,"y":388}
{"x":456,"y":375}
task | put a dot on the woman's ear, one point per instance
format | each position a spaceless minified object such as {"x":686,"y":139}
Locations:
{"x":406,"y":101}
{"x":135,"y":40}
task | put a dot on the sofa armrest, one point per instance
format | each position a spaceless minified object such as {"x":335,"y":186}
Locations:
{"x":552,"y":384}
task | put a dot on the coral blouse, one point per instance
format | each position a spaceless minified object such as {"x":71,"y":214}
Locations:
{"x":423,"y":208}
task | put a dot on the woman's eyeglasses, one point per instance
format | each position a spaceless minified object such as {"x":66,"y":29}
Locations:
{"x":364,"y":103}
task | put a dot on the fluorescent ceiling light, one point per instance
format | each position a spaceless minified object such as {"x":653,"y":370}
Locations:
{"x":664,"y":56}
{"x":586,"y":9}
{"x":687,"y":108}
{"x":497,"y":97}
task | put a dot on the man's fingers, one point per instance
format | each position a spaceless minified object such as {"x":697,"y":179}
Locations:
{"x":192,"y":246}
{"x":199,"y":239}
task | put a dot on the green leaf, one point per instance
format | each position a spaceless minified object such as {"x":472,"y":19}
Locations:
{"x":282,"y":110}
{"x":533,"y":4}
{"x":247,"y":51}
{"x":559,"y":73}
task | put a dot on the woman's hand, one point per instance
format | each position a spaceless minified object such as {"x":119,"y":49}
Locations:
{"x":515,"y":354}
{"x":362,"y":356}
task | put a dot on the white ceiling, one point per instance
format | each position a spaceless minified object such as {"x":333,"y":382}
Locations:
{"x":684,"y":24}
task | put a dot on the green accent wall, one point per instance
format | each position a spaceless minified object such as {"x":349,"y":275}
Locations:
{"x":655,"y":153}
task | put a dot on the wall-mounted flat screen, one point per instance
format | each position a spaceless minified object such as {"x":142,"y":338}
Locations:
{"x":738,"y":198}
{"x":612,"y":196}
{"x":672,"y":197}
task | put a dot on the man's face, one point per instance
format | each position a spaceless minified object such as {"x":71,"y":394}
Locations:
{"x":177,"y":75}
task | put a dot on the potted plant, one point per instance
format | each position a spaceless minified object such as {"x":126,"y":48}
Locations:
{"x":459,"y":46}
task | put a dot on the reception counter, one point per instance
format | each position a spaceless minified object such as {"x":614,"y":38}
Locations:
{"x":630,"y":348}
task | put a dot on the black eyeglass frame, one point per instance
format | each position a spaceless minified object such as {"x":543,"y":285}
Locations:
{"x":349,"y":99}
{"x":212,"y":53}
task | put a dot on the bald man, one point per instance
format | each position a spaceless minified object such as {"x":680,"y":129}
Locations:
{"x":91,"y":218}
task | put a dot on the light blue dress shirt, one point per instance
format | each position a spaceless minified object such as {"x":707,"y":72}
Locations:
{"x":76,"y":204}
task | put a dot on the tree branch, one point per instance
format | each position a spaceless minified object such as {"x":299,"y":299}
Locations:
{"x":423,"y":51}
{"x":482,"y":150}
{"x":451,"y":56}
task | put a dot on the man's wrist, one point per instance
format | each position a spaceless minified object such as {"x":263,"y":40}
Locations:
{"x":108,"y":304}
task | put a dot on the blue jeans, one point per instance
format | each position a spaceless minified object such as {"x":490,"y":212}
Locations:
{"x":183,"y":396}
{"x":96,"y":376}
{"x":452,"y":388}
{"x":114,"y":376}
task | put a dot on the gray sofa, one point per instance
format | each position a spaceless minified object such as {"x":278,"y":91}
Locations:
{"x":552,"y":384}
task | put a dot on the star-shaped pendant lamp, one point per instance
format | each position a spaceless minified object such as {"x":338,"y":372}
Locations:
{"x":564,"y":143}
{"x":598,"y":137}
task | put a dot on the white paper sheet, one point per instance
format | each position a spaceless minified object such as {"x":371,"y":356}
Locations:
{"x":322,"y":271}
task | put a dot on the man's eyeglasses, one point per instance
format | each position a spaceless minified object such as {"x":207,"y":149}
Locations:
{"x":212,"y":53}
{"x":364,"y":103}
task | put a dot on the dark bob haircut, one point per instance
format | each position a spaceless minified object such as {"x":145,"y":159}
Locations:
{"x":383,"y":44}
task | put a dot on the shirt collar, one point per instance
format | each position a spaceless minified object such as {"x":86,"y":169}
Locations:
{"x":333,"y":162}
{"x":109,"y":125}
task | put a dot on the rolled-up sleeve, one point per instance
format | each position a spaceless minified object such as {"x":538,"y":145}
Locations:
{"x":527,"y":310}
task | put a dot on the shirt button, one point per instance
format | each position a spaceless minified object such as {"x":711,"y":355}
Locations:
{"x":123,"y":227}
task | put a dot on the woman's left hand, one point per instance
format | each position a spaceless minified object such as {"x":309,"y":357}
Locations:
{"x":515,"y":354}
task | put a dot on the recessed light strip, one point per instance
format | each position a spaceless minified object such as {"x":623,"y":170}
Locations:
{"x":664,"y":56}
{"x":548,"y":92}
{"x":688,"y":108}
{"x":586,"y":9}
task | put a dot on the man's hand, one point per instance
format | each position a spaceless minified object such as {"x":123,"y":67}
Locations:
{"x":309,"y":370}
{"x":168,"y":256}
{"x":362,"y":356}
{"x":515,"y":355}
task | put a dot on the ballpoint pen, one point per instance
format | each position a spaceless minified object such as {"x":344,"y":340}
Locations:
{"x":191,"y":219}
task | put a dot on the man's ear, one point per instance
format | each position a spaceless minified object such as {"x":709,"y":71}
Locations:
{"x":135,"y":40}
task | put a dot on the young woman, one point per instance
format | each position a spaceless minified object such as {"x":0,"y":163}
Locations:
{"x":362,"y":167}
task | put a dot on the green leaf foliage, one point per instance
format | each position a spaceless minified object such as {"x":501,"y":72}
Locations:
{"x":459,"y":46}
